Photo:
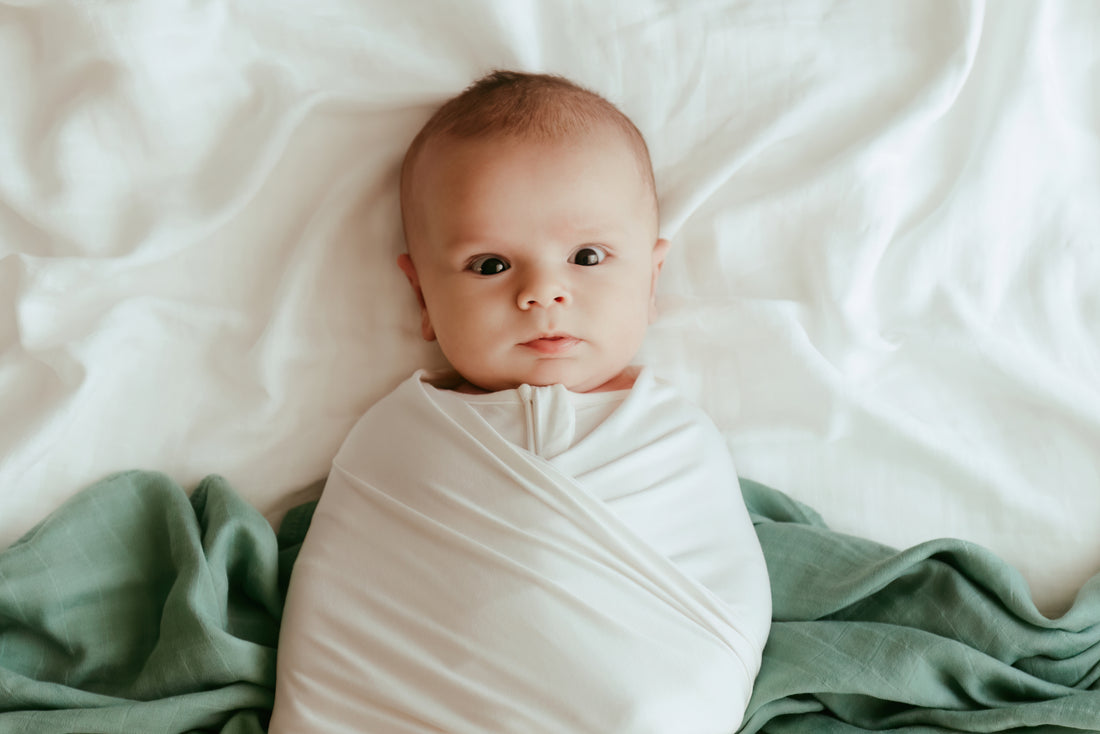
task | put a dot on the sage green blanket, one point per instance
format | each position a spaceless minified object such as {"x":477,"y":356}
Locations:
{"x":134,"y":608}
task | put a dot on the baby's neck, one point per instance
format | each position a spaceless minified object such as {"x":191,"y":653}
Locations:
{"x":622,"y":381}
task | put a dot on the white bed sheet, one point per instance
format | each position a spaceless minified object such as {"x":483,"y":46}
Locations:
{"x":884,"y":287}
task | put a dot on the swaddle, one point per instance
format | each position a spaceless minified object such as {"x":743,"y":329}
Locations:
{"x":454,"y":580}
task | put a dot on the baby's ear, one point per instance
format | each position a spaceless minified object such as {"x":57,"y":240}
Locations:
{"x":406,"y":264}
{"x":660,"y":249}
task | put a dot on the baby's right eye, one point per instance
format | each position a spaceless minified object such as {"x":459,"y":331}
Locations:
{"x":488,"y":265}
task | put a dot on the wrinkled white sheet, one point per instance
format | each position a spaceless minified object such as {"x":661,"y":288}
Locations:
{"x":885,"y":281}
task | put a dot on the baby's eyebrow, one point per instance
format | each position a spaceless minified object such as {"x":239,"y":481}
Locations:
{"x":606,"y":229}
{"x":473,"y":244}
{"x":488,"y":243}
{"x":598,"y":228}
{"x":604,"y":237}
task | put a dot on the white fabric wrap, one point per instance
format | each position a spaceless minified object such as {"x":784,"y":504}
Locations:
{"x":454,"y":581}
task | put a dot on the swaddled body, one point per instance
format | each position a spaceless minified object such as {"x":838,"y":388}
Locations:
{"x":530,"y":560}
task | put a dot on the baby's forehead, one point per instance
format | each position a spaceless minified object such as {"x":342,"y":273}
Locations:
{"x":442,"y":148}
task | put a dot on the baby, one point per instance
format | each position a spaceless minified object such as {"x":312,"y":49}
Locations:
{"x":545,"y":538}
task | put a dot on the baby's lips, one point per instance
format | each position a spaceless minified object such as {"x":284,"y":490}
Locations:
{"x":552,"y":344}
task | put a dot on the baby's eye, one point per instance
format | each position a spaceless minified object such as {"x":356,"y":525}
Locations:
{"x":588,"y":255}
{"x":488,"y":265}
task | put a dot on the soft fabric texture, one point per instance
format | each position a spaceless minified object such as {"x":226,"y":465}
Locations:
{"x":610,"y":583}
{"x":942,"y":637}
{"x":134,"y":609}
{"x":882,"y":283}
{"x":936,"y":639}
{"x":681,"y":506}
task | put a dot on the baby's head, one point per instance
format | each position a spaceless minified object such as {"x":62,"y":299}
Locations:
{"x":530,"y":216}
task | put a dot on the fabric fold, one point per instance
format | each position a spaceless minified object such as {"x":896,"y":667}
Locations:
{"x":134,"y":608}
{"x":943,"y":636}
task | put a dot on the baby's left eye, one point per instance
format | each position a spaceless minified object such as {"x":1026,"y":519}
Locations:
{"x":588,"y":255}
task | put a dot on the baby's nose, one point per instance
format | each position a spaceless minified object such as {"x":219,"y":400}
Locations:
{"x":542,"y":290}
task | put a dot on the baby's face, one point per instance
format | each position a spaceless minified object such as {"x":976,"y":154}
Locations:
{"x":534,"y":262}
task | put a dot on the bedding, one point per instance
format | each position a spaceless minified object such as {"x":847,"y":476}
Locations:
{"x":135,"y":608}
{"x":937,"y":638}
{"x":882,"y":286}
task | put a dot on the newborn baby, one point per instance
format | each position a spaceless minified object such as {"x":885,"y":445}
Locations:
{"x":544,"y":538}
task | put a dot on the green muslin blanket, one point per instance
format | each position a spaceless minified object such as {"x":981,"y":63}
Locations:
{"x":135,"y":608}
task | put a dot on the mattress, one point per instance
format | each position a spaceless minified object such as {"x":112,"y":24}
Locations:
{"x":884,"y":282}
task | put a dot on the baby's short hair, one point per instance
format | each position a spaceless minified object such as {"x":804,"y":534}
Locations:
{"x":538,"y":107}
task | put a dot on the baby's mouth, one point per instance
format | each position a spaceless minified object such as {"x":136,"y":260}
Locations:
{"x":552,"y":343}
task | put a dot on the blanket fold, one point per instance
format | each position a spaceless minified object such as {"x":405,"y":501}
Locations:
{"x":135,"y":609}
{"x":942,"y":636}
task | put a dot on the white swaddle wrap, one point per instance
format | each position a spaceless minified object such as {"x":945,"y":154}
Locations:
{"x":600,"y":576}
